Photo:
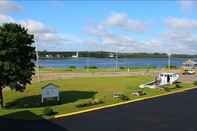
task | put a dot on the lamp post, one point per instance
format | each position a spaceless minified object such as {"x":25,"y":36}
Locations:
{"x":169,"y":61}
{"x":116,"y":68}
{"x":87,"y":62}
{"x":37,"y":61}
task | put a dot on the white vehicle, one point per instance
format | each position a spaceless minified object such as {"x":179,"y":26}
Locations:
{"x":189,"y":72}
{"x":162,"y":80}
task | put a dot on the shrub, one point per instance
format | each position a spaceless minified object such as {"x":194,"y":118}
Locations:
{"x":122,"y":67}
{"x":195,"y":83}
{"x":72,"y":67}
{"x":171,"y":66}
{"x":90,"y":103}
{"x":144,"y":67}
{"x":93,"y":67}
{"x":150,"y":67}
{"x":90,"y":67}
{"x":82,"y":105}
{"x":124,"y":98}
{"x":178,"y":85}
{"x":68,"y":69}
{"x":166,"y":89}
{"x":48,"y":111}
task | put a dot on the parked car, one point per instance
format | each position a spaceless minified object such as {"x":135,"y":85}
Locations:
{"x":189,"y":72}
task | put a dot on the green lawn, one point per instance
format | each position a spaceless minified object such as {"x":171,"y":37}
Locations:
{"x":62,"y":70}
{"x":75,"y":91}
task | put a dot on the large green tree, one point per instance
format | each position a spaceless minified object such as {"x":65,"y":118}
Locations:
{"x":17,"y":56}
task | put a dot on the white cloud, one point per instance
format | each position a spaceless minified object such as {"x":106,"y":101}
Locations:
{"x":44,"y":35}
{"x":7,"y":6}
{"x":36,"y":26}
{"x":106,"y":37}
{"x":42,"y":32}
{"x":174,"y":41}
{"x":181,"y":37}
{"x":110,"y":39}
{"x":121,"y":20}
{"x":50,"y":38}
{"x":117,"y":20}
{"x":187,"y":5}
{"x":96,"y":30}
{"x":181,"y":23}
{"x":47,"y":35}
{"x":5,"y":18}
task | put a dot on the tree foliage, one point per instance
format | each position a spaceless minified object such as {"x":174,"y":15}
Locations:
{"x":17,"y":57}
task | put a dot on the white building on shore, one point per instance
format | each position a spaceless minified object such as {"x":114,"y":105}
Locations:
{"x":76,"y":55}
{"x":189,"y":64}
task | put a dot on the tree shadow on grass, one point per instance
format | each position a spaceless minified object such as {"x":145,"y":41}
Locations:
{"x":27,"y":121}
{"x":65,"y":97}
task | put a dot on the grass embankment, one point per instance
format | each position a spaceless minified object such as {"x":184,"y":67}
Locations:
{"x":75,"y":91}
{"x":94,"y":69}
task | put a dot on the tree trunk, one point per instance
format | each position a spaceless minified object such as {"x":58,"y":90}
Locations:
{"x":1,"y":97}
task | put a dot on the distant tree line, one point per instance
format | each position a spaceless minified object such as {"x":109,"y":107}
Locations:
{"x":101,"y":54}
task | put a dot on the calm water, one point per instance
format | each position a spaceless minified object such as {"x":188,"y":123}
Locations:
{"x":109,"y":62}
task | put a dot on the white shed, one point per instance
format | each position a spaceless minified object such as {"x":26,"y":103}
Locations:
{"x":50,"y":91}
{"x":189,"y":64}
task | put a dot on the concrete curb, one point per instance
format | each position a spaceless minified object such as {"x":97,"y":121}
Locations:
{"x":121,"y":103}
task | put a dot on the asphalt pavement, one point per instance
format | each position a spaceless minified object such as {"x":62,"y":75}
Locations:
{"x":176,"y":112}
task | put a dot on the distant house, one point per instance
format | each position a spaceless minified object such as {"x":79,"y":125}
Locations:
{"x":50,"y":91}
{"x":58,"y":56}
{"x":189,"y":64}
{"x":48,"y":56}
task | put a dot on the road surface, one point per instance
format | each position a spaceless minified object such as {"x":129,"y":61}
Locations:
{"x":177,"y":112}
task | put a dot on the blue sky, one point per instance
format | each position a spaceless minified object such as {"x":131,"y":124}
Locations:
{"x":130,"y":26}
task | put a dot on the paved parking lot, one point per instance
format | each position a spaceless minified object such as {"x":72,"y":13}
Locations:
{"x":177,"y":112}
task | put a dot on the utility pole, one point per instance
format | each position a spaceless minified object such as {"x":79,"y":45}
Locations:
{"x":169,"y":61}
{"x":116,"y":60}
{"x":87,"y":62}
{"x":37,"y":61}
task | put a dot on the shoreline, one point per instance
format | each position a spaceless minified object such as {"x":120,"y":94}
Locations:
{"x":56,"y":74}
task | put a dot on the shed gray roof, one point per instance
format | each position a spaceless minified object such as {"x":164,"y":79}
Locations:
{"x":50,"y":84}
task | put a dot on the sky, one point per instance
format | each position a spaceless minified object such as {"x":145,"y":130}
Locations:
{"x":164,"y":26}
